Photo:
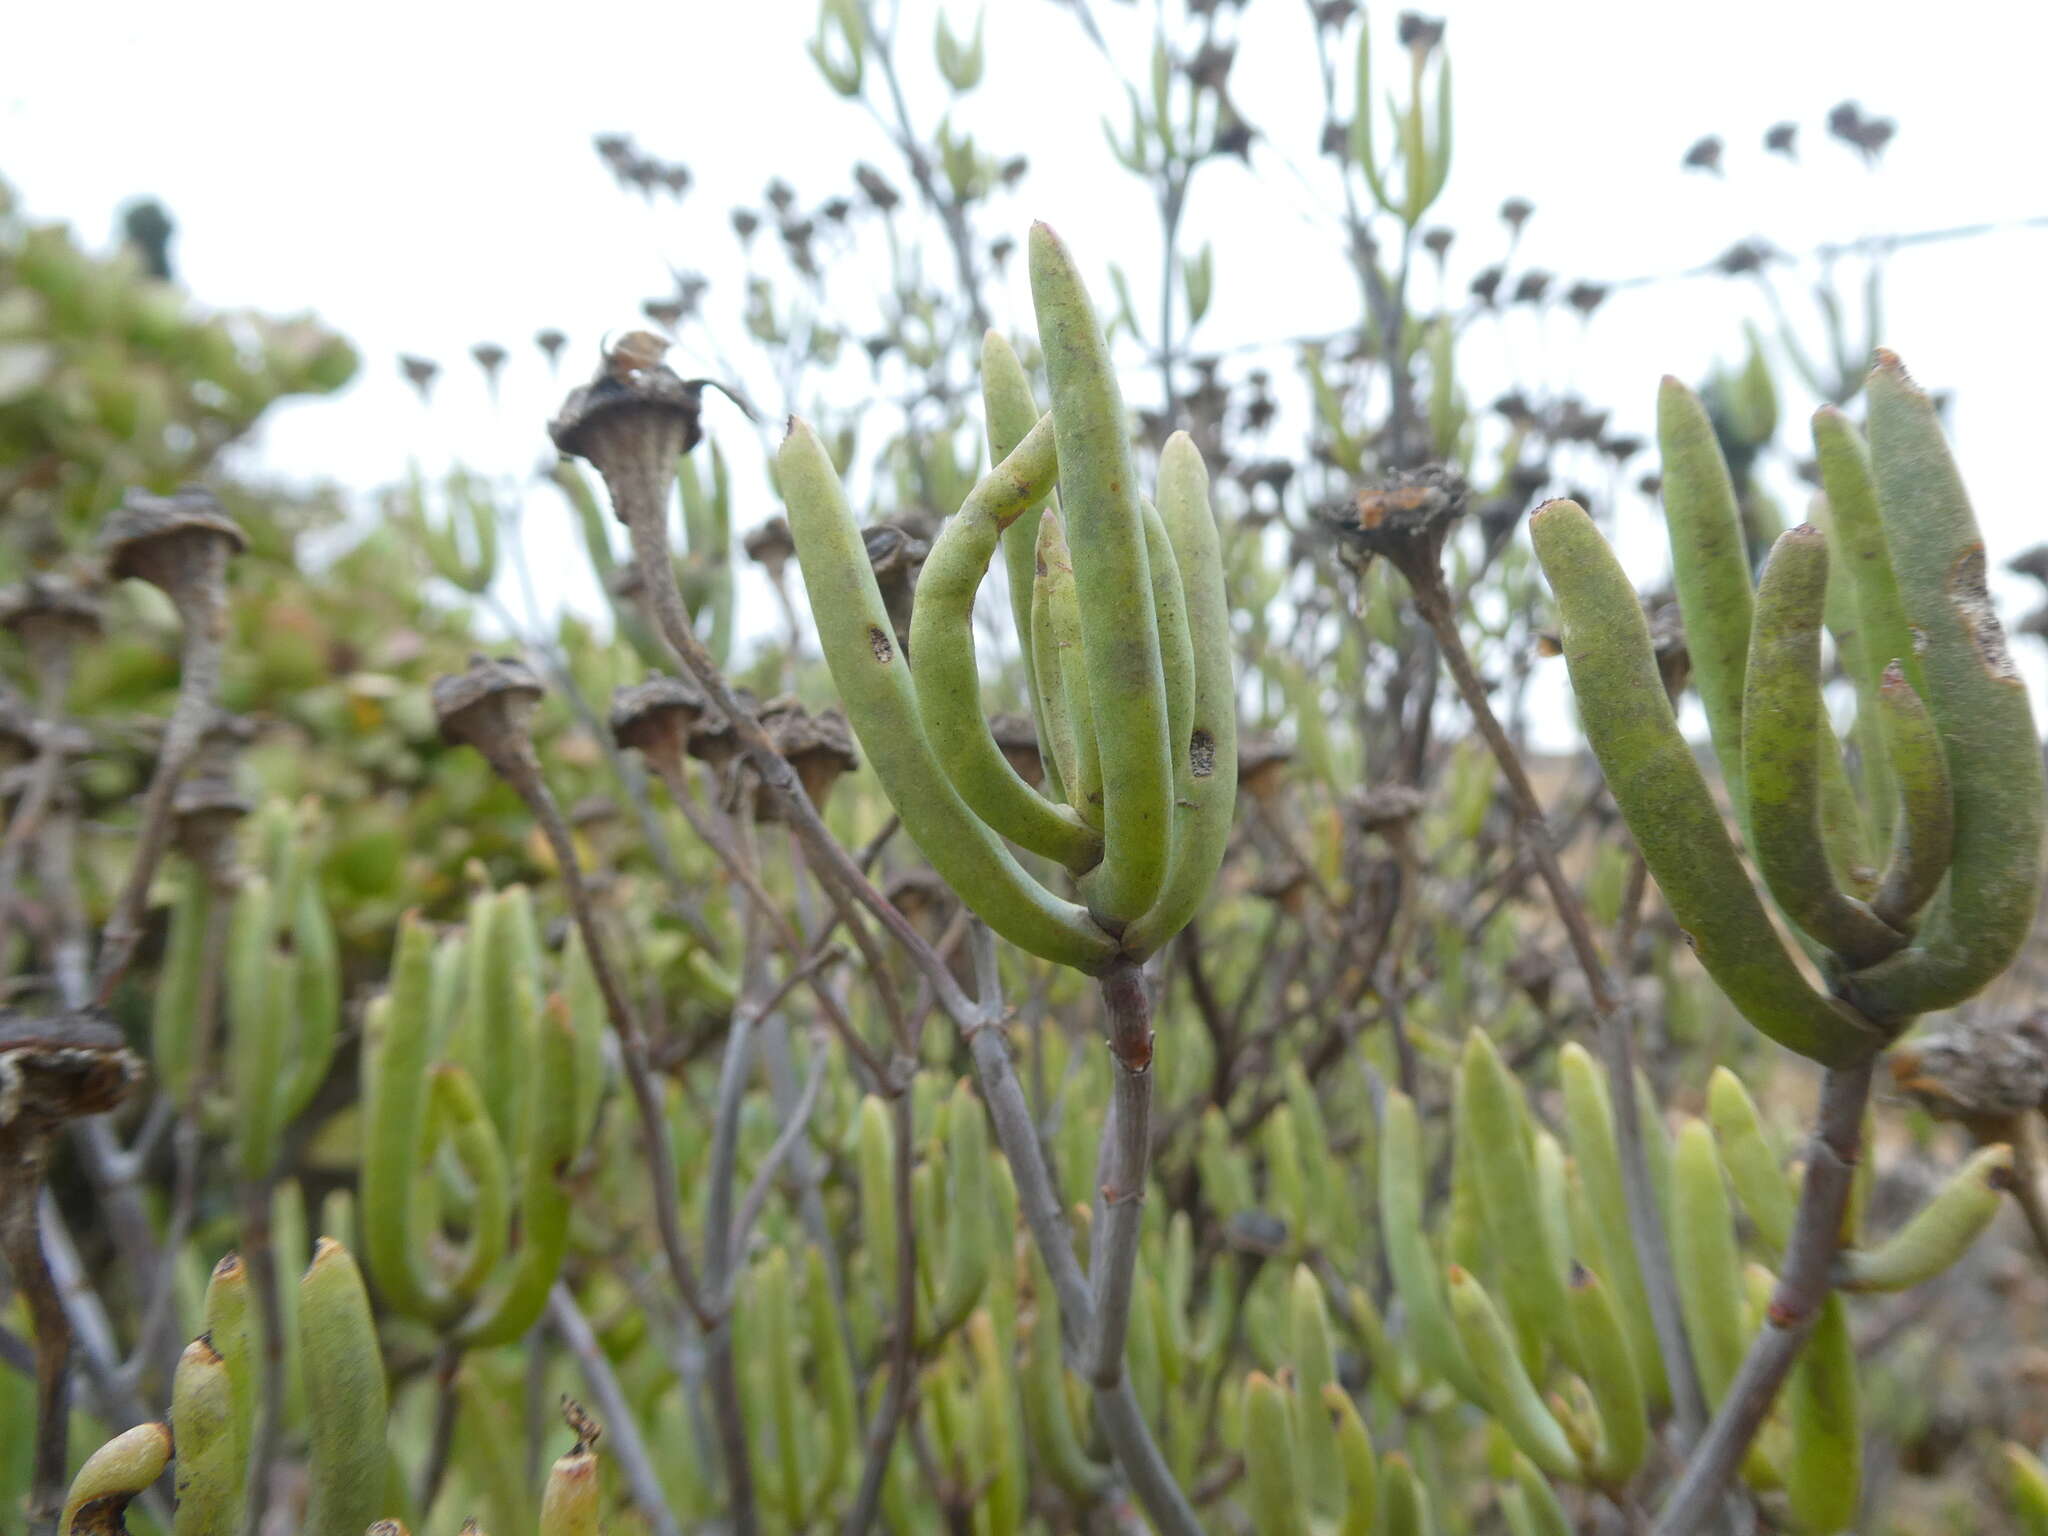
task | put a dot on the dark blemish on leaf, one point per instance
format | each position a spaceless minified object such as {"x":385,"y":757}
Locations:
{"x":880,"y":643}
{"x":1970,"y":596}
{"x":1202,"y":754}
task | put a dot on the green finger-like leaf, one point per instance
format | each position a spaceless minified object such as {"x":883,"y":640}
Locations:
{"x":1656,"y":781}
{"x":1785,"y":732}
{"x":544,"y":1188}
{"x":1012,"y":411}
{"x":1048,"y":1406}
{"x":1315,"y":1371}
{"x":475,"y":1143}
{"x":1404,"y":1501}
{"x":1509,"y":1393}
{"x":1361,"y":122}
{"x":968,"y":1239}
{"x":1546,"y":1513}
{"x":1169,"y":607}
{"x":1589,"y":1118}
{"x":1531,"y":1276}
{"x":345,"y":1417}
{"x":1924,"y":834}
{"x":1709,"y":1270}
{"x":203,"y":1423}
{"x":174,"y":1016}
{"x":1609,"y":1367}
{"x":112,"y":1476}
{"x":835,"y":1383}
{"x":1746,"y":1153}
{"x":1205,"y":754}
{"x":1940,"y":1233}
{"x":395,"y":1140}
{"x":571,"y":1501}
{"x":2028,"y":1481}
{"x":1979,"y":704}
{"x":875,"y":1157}
{"x":948,"y":681}
{"x":1062,"y":640}
{"x":317,"y":996}
{"x":1277,"y":1507}
{"x":1824,"y":1471}
{"x":230,"y":1327}
{"x":1408,"y":1256}
{"x":1056,"y":629}
{"x":1119,"y":633}
{"x":1360,"y":1467}
{"x":875,"y":685}
{"x":256,"y":1044}
{"x":1710,"y":568}
{"x":1882,"y":632}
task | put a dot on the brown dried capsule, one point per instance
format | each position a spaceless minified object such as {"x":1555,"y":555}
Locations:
{"x":62,"y":1067}
{"x":896,"y":555}
{"x":1386,"y":808}
{"x":657,"y":717}
{"x":632,"y":421}
{"x":1016,"y":735}
{"x":770,"y":545}
{"x":819,"y":747}
{"x":180,"y":543}
{"x":1262,"y":766}
{"x":490,"y":707}
{"x":714,"y":742}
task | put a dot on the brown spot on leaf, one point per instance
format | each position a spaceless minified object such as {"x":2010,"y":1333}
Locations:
{"x":1970,"y":596}
{"x":1202,"y":754}
{"x":880,"y":643}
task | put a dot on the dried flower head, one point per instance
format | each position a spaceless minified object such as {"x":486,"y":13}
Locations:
{"x":1705,"y":155}
{"x":180,"y":543}
{"x":61,"y":1067}
{"x":1262,"y":763}
{"x":420,"y":373}
{"x":489,"y":707}
{"x":1406,"y":519}
{"x":658,"y":716}
{"x":770,"y":545}
{"x":631,"y":422}
{"x":819,"y":747}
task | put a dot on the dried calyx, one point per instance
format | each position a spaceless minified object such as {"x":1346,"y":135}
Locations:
{"x":62,"y":1067}
{"x":51,"y":618}
{"x":490,"y":707}
{"x":657,"y":717}
{"x":1405,"y":520}
{"x":179,"y":543}
{"x":633,"y":421}
{"x":208,"y":805}
{"x":819,"y":747}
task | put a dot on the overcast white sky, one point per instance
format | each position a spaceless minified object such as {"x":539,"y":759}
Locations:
{"x":421,"y":175}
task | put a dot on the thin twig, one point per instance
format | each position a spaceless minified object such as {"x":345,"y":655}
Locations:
{"x":1803,"y":1286}
{"x":1616,"y":1036}
{"x":1127,"y":1151}
{"x":794,"y":1129}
